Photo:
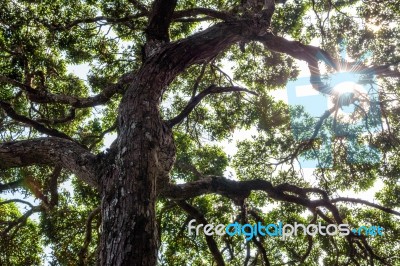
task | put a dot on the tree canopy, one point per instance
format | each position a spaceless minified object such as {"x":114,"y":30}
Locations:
{"x":205,"y":71}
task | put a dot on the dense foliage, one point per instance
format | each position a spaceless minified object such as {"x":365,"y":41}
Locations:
{"x":43,"y":46}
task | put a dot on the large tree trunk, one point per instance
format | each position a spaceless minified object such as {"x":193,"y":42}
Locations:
{"x":145,"y":155}
{"x":145,"y":151}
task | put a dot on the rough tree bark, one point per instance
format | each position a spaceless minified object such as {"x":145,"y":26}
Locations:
{"x":145,"y":154}
{"x":145,"y":150}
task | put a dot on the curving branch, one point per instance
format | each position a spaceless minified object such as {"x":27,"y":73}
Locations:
{"x":310,"y":241}
{"x":236,"y":190}
{"x":12,"y":185}
{"x":82,"y":255}
{"x":50,"y":151}
{"x":16,"y":224}
{"x":365,"y":202}
{"x":43,"y":96}
{"x":283,"y":192}
{"x":53,"y":189}
{"x":312,"y":55}
{"x":213,"y":89}
{"x":34,"y":124}
{"x":257,"y":242}
{"x":240,"y":190}
{"x":164,"y":61}
{"x":212,"y":245}
{"x":16,"y":201}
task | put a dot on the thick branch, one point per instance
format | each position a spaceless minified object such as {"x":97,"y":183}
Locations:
{"x":202,"y":11}
{"x":242,"y":189}
{"x":310,"y":54}
{"x":232,"y":189}
{"x":53,"y":188}
{"x":163,"y":63}
{"x":160,"y":20}
{"x":283,"y":192}
{"x":50,"y":151}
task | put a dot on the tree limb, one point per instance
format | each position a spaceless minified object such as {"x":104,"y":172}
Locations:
{"x":242,"y":189}
{"x":364,"y":202}
{"x":104,"y":19}
{"x":139,"y":6}
{"x":11,"y":185}
{"x":310,"y":241}
{"x":284,"y":192}
{"x":88,"y":236}
{"x":259,"y":244}
{"x":36,"y":125}
{"x":20,"y":221}
{"x":202,"y":11}
{"x":160,"y":20}
{"x":50,"y":151}
{"x":212,"y":245}
{"x":53,"y":188}
{"x":308,"y":53}
{"x":43,"y":96}
{"x":16,"y":201}
{"x":237,"y":189}
{"x":196,"y":100}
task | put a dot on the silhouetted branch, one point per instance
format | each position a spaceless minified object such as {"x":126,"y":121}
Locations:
{"x":11,"y":185}
{"x":16,"y":201}
{"x":88,"y":237}
{"x":364,"y":202}
{"x":160,"y":20}
{"x":197,"y":99}
{"x":310,"y":242}
{"x":43,"y":96}
{"x":16,"y":224}
{"x":53,"y":182}
{"x":36,"y":125}
{"x":212,"y":245}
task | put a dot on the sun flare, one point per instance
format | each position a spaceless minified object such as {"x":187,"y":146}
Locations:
{"x":347,"y":87}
